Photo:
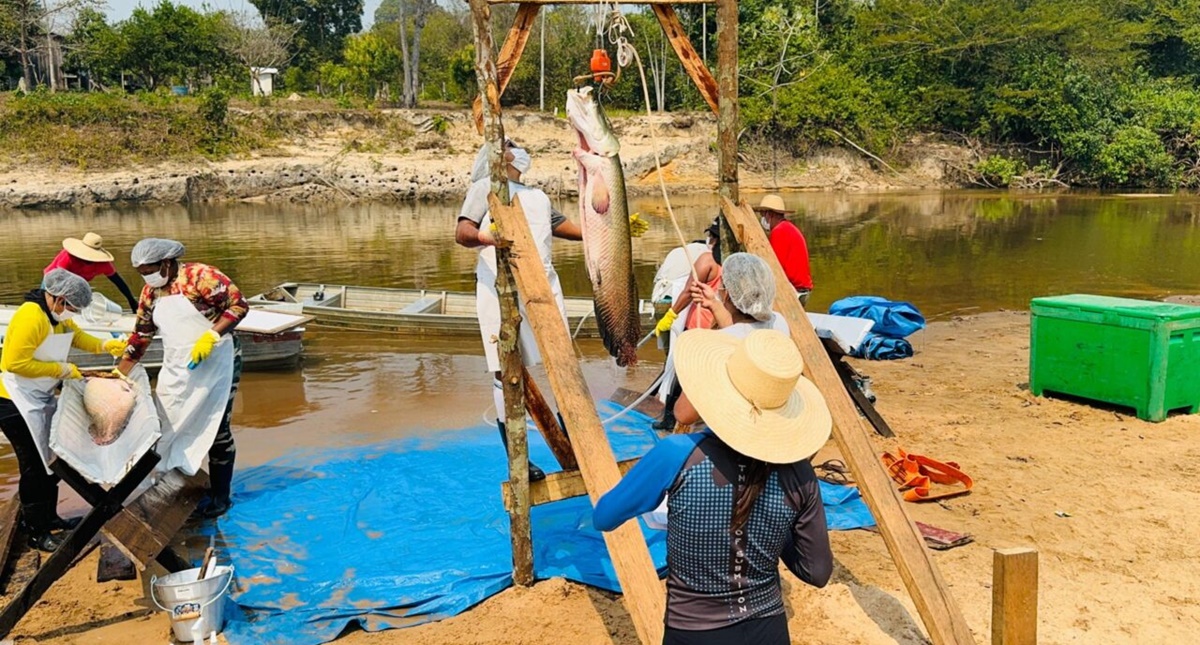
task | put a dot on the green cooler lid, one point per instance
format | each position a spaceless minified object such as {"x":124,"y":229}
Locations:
{"x":1152,"y":309}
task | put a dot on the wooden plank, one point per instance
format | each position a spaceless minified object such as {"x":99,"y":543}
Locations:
{"x":650,"y":406}
{"x":10,"y":514}
{"x":512,"y":376}
{"x":727,"y":115}
{"x":113,"y":565}
{"x":1014,"y":596}
{"x":940,"y":614}
{"x":543,"y":417}
{"x":692,"y":63}
{"x":556,"y":486}
{"x":631,"y":558}
{"x":650,"y":2}
{"x":148,"y":524}
{"x":626,"y":546}
{"x":510,"y":54}
{"x":59,"y":561}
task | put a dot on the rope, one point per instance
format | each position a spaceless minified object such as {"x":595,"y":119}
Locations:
{"x":636,"y":401}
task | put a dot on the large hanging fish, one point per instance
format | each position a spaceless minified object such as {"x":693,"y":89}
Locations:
{"x":604,"y":219}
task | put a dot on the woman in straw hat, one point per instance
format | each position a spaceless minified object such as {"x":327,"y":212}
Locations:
{"x":87,"y":259}
{"x":742,"y":494}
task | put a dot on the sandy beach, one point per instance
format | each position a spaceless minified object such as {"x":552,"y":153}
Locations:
{"x":1104,"y":498}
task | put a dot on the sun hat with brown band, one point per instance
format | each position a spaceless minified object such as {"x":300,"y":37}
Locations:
{"x":90,"y":248}
{"x":752,"y":393}
{"x":773,"y":203}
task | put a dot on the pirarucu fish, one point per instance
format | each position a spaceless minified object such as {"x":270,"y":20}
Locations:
{"x":109,"y":403}
{"x":604,"y":219}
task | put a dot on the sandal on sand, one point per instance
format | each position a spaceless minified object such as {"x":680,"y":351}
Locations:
{"x":834,"y":471}
{"x":916,"y":473}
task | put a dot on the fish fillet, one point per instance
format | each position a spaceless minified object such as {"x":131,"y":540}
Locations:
{"x":109,"y":404}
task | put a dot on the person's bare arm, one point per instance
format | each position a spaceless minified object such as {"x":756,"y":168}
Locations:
{"x":705,"y":296}
{"x":468,"y":234}
{"x":568,"y":230}
{"x":685,"y":412}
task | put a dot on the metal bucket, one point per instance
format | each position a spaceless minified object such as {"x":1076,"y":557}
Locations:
{"x":188,"y":601}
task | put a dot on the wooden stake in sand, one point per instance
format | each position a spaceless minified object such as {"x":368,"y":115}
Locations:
{"x":1014,"y":597}
{"x":937,"y":608}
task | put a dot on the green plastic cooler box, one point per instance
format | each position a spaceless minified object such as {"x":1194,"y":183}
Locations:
{"x":1140,"y":354}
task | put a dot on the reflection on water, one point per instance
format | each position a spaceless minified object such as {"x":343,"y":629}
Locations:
{"x":945,"y":252}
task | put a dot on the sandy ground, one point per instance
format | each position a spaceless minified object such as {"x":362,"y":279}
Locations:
{"x":350,"y":161}
{"x":1117,"y":568}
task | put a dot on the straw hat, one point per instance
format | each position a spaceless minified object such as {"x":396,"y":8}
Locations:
{"x":772,"y":203}
{"x":752,"y":395}
{"x":90,"y":248}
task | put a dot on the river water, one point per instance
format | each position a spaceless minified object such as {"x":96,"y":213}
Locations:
{"x":948,"y":253}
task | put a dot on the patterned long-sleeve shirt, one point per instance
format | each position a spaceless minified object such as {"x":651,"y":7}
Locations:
{"x":211,"y":292}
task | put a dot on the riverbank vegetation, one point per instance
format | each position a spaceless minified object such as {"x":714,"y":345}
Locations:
{"x":1048,"y":92}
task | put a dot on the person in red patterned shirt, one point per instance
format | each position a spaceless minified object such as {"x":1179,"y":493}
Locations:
{"x":194,"y":307}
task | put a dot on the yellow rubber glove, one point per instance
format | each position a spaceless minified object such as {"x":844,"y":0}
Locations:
{"x":69,"y":371}
{"x":115,"y":347}
{"x":664,"y":325}
{"x":637,"y":225}
{"x":203,"y":348}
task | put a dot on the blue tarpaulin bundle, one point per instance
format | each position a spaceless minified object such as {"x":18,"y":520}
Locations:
{"x":894,"y":321}
{"x":410,"y":531}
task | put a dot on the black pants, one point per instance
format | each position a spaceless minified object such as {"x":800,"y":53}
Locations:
{"x":772,"y":630}
{"x":38,"y":490}
{"x":223,"y":451}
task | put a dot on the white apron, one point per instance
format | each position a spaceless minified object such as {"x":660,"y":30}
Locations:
{"x":487,"y":303}
{"x":34,"y":397}
{"x":193,"y":401}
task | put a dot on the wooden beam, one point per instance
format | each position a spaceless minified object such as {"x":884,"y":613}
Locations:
{"x":728,"y":120}
{"x":556,"y":486}
{"x":940,"y":614}
{"x":651,"y":2}
{"x":547,"y":424}
{"x":626,"y":546}
{"x":9,"y":515}
{"x":510,"y":54}
{"x":146,"y":526}
{"x":1014,"y":596}
{"x":692,"y":63}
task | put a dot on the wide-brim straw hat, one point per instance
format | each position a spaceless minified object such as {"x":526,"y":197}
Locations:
{"x":752,"y":393}
{"x":90,"y":248}
{"x":773,"y":203}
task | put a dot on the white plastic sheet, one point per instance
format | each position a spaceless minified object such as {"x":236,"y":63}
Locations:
{"x":103,"y":465}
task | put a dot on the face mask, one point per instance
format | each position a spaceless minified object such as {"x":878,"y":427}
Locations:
{"x":156,"y":280}
{"x":64,"y":315}
{"x":766,"y":223}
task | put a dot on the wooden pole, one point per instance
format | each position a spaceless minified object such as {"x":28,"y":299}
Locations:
{"x":511,"y":365}
{"x":543,"y":417}
{"x":1014,"y":596}
{"x":510,"y":55}
{"x":941,"y":615}
{"x":692,"y":63}
{"x":728,"y":120}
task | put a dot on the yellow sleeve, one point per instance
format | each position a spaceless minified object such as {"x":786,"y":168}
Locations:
{"x":26,"y":331}
{"x":84,"y":340}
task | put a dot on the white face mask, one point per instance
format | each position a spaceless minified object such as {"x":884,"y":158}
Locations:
{"x":766,"y":223}
{"x":156,"y":280}
{"x":66,"y":315}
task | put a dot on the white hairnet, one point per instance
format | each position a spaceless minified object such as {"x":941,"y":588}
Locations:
{"x":63,"y":283}
{"x":153,"y":250}
{"x":521,"y":161}
{"x":751,"y":287}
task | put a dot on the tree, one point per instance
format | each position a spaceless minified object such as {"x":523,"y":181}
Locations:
{"x":372,"y":63}
{"x":410,"y":16}
{"x":256,"y":44}
{"x":31,"y":24}
{"x":174,"y":43}
{"x":322,"y":26}
{"x":97,"y":47}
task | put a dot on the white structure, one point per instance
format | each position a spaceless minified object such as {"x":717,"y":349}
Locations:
{"x":262,"y":80}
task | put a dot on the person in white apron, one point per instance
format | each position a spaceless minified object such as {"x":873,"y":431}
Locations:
{"x":34,"y":362}
{"x":474,"y":230}
{"x":194,"y":308}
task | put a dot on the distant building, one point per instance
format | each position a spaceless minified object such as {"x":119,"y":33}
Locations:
{"x":262,"y":80}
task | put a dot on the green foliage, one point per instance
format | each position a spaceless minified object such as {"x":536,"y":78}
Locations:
{"x":1134,"y":156}
{"x":173,"y":44}
{"x":999,"y":171}
{"x":323,"y":26}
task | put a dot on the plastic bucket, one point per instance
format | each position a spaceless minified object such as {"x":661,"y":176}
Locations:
{"x":189,"y":601}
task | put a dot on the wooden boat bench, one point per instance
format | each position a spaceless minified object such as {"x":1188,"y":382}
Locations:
{"x":425,"y":305}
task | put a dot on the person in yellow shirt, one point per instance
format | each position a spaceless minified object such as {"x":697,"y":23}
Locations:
{"x":39,"y":338}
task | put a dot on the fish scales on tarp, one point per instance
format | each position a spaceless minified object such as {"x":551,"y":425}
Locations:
{"x":409,"y":531}
{"x":604,"y":220}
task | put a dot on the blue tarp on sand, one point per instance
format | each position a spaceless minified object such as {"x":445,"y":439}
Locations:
{"x":410,"y":531}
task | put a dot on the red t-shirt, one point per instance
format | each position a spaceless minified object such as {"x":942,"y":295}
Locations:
{"x":82,"y":268}
{"x":792,"y":251}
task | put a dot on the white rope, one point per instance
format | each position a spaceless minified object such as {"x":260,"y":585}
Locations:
{"x":636,"y":401}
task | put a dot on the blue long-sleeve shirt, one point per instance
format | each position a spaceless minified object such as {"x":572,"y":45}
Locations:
{"x":716,"y":577}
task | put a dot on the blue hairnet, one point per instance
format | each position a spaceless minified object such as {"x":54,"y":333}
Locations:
{"x":751,"y":287}
{"x":64,"y":284}
{"x":153,"y":250}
